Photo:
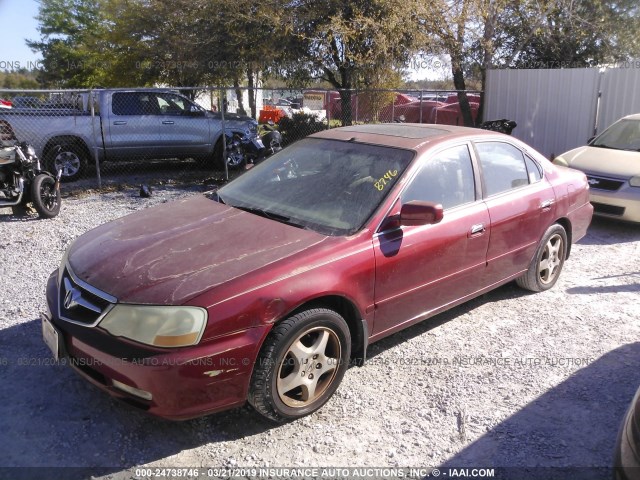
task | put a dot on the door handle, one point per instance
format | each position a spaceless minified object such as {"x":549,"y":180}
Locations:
{"x":119,"y":122}
{"x":168,"y":122}
{"x":477,"y":229}
{"x":546,"y":204}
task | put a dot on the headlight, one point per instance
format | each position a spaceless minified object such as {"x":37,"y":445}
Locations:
{"x":560,"y":161}
{"x":635,"y":181}
{"x":158,"y":326}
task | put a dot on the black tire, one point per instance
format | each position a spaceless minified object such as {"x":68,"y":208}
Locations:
{"x":235,"y":157}
{"x":46,"y":199}
{"x":71,"y":158}
{"x":548,"y":261}
{"x":301,"y":365}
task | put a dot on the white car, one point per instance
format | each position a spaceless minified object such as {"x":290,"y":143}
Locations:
{"x":611,"y":162}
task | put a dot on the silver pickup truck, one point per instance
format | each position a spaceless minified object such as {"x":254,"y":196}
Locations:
{"x":117,"y":125}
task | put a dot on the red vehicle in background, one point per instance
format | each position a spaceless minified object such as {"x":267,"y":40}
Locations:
{"x":382,"y":106}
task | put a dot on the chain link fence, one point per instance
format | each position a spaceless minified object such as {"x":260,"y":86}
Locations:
{"x":122,"y":135}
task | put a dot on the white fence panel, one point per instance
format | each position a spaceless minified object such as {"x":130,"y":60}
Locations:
{"x":620,"y":95}
{"x":555,"y":109}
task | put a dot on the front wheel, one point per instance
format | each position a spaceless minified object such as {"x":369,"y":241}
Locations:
{"x":235,"y":155}
{"x":45,"y":197}
{"x":547,"y":263}
{"x":301,"y":365}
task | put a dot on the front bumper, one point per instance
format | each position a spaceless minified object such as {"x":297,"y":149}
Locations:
{"x":181,"y":383}
{"x":623,"y":204}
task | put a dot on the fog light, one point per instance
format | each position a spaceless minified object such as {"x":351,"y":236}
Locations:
{"x":132,"y":390}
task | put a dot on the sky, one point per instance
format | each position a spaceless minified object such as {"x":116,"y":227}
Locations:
{"x":17,"y":23}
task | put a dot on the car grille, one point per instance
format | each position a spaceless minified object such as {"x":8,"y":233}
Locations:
{"x":80,"y":303}
{"x":607,"y":209}
{"x":602,"y":183}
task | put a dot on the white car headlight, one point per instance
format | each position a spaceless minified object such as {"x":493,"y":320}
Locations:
{"x":159,"y":326}
{"x":635,"y":181}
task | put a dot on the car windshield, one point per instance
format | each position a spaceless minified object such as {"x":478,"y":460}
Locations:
{"x":328,"y":186}
{"x":622,"y":135}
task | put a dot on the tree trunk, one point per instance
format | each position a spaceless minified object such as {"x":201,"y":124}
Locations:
{"x":236,"y":87}
{"x":345,"y":97}
{"x":346,"y":115}
{"x":458,"y":82}
{"x":252,"y":92}
{"x":487,"y":37}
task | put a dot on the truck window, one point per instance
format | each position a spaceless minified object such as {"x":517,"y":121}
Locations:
{"x":171,"y":104}
{"x":135,"y":103}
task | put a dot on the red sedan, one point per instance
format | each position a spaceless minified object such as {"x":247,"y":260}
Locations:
{"x":267,"y":289}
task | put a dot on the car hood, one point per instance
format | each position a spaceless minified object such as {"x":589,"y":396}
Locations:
{"x":170,"y":253}
{"x":604,"y":161}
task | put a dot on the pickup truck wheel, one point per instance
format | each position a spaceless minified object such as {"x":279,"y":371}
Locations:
{"x":70,"y":158}
{"x":235,"y":156}
{"x":301,"y":364}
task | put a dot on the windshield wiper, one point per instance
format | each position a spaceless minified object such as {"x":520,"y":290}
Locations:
{"x":272,"y":216}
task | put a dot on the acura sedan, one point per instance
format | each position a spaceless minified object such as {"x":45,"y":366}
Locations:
{"x":611,"y":162}
{"x":266,"y":290}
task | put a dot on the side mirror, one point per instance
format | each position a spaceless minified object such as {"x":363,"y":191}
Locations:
{"x":420,"y":213}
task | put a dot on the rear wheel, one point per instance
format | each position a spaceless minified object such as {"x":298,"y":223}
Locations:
{"x":45,"y":197}
{"x":547,"y":263}
{"x":301,"y":365}
{"x":71,"y":159}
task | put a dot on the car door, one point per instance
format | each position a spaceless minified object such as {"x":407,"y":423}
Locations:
{"x":134,"y":126}
{"x":424,"y":269}
{"x":521,"y":204}
{"x":184,"y":128}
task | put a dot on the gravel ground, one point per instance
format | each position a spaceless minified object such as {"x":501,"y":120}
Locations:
{"x":510,"y":379}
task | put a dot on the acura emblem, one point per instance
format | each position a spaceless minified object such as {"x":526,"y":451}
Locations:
{"x":73,"y":298}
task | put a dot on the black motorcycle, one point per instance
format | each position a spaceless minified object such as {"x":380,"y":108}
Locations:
{"x":22,"y":180}
{"x":502,"y":126}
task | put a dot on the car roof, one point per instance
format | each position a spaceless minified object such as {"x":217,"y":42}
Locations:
{"x":413,"y":136}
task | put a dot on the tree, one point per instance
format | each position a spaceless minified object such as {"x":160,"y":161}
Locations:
{"x":483,"y":34}
{"x":462,"y":29}
{"x":572,"y":33}
{"x":19,"y":79}
{"x":67,"y":28}
{"x":341,"y":40}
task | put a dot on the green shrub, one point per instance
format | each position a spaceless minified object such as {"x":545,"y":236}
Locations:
{"x":299,"y":126}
